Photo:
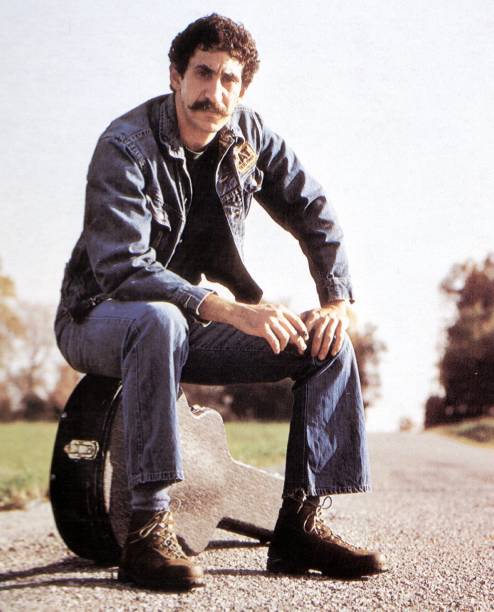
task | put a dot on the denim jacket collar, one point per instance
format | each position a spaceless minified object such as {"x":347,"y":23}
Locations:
{"x":170,"y":136}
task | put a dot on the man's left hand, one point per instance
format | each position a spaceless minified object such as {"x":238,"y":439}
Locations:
{"x":327,"y":326}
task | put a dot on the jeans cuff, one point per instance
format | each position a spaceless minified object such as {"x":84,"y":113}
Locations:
{"x":167,"y":478}
{"x":289,"y":489}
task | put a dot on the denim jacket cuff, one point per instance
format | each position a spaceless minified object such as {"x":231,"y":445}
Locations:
{"x":335,"y":289}
{"x":191,"y":300}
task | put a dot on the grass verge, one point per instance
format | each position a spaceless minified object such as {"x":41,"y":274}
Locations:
{"x":477,"y":432}
{"x":25,"y":457}
{"x":26,"y":450}
{"x":258,"y":443}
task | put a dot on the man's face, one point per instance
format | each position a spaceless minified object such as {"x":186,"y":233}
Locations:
{"x":206,"y":95}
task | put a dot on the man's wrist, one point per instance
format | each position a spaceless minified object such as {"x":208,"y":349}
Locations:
{"x":335,"y":302}
{"x":221,"y":310}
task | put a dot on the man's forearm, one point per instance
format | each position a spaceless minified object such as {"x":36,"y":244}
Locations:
{"x":221,"y":310}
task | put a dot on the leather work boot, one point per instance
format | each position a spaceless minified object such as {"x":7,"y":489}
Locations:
{"x":302,"y":542}
{"x":152,"y":556}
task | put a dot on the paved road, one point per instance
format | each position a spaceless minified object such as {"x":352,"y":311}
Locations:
{"x":431,"y":513}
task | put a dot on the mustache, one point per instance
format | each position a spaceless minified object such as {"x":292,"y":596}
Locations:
{"x":207,"y":105}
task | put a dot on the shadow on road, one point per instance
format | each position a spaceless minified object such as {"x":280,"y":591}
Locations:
{"x":84,"y":566}
{"x":64,"y":566}
{"x":312,"y":576}
{"x":217,"y":544}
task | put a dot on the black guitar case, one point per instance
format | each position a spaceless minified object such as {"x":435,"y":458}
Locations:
{"x":88,"y":483}
{"x":77,"y":480}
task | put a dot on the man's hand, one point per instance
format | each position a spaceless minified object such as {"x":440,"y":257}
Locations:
{"x":277,"y":324}
{"x":327,"y":326}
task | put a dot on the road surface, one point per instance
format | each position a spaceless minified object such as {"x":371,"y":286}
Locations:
{"x":431,"y":512}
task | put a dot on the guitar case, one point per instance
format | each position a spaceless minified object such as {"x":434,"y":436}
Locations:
{"x":88,"y":480}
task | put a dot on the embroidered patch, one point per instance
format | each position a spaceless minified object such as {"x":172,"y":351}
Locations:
{"x":245,"y":158}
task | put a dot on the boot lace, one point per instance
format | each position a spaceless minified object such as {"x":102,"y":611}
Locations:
{"x":321,"y":529}
{"x":160,"y":528}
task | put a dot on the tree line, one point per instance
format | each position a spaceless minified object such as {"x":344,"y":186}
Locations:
{"x":466,"y":364}
{"x":35,"y":382}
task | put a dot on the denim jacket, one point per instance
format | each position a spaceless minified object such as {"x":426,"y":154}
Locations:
{"x":137,"y":198}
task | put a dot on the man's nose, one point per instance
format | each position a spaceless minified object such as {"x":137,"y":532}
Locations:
{"x":215,"y":90}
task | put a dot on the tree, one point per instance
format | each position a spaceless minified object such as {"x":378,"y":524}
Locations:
{"x":10,"y":323}
{"x":27,"y":356}
{"x":368,"y":350}
{"x":36,"y":351}
{"x":466,"y":367}
{"x":11,"y":331}
{"x":67,"y":379}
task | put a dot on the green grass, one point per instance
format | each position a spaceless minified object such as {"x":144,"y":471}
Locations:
{"x":25,"y":457}
{"x":477,"y":432}
{"x":26,"y":450}
{"x":262,"y":444}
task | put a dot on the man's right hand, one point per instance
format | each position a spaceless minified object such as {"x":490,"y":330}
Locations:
{"x":277,"y":324}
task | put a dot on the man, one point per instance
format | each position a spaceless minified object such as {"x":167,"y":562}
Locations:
{"x":168,"y":189}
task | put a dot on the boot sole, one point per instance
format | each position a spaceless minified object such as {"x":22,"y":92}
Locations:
{"x":282,"y":566}
{"x":277,"y":565}
{"x":182,"y":584}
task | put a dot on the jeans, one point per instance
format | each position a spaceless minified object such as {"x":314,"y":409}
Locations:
{"x":153,"y":346}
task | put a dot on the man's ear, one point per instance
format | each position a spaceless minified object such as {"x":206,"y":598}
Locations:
{"x":175,"y":78}
{"x":243,"y":89}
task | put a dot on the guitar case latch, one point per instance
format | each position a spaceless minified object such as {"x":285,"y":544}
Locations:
{"x":82,"y":449}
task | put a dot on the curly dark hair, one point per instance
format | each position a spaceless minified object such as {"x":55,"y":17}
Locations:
{"x":218,"y":33}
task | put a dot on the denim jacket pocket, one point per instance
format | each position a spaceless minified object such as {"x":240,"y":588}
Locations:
{"x":253,"y":182}
{"x":161,"y":225}
{"x":250,"y":186}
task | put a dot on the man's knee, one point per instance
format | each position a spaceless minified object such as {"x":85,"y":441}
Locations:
{"x":347,"y":351}
{"x":346,"y":355}
{"x":162,"y":320}
{"x":344,"y":358}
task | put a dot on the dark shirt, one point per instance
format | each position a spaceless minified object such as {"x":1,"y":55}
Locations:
{"x":201,"y":249}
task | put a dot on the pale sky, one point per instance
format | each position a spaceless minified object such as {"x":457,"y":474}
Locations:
{"x":389,"y":104}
